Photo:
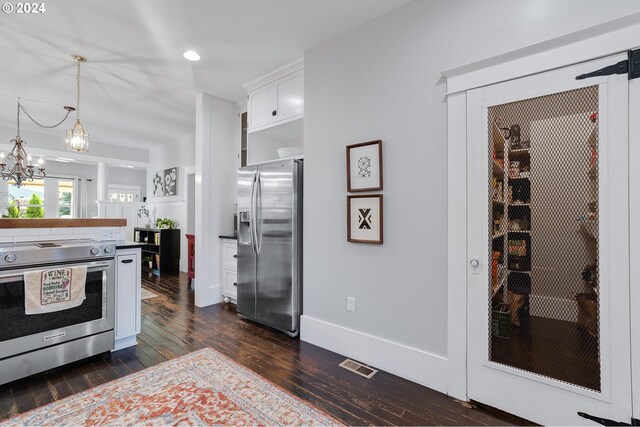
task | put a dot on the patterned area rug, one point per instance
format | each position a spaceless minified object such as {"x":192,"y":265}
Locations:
{"x":200,"y":388}
{"x":147,"y":294}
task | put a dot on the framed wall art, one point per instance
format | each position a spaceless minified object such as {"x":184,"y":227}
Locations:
{"x":364,"y":219}
{"x":165,"y":182}
{"x":364,"y":166}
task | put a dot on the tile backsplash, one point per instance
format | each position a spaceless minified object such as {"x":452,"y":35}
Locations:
{"x":14,"y":235}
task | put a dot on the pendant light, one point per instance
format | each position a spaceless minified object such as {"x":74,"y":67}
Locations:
{"x":77,"y":138}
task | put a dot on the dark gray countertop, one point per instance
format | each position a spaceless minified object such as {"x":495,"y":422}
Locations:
{"x":127,"y":244}
{"x":228,"y":236}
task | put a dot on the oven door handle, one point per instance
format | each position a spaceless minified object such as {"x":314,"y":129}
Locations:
{"x":7,"y":278}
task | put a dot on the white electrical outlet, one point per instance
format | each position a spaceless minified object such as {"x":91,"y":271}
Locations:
{"x":351,"y":304}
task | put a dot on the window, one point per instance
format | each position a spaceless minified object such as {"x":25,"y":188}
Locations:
{"x":124,"y":193}
{"x":49,"y":197}
{"x":65,"y":199}
{"x":26,"y":201}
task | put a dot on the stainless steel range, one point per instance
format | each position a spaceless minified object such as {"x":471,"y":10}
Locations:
{"x":34,"y":343}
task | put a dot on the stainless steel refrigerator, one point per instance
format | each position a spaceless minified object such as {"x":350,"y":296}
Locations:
{"x":270,"y":244}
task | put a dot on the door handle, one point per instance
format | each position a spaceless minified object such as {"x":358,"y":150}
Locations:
{"x":259,"y":210}
{"x":252,"y":214}
{"x":235,"y":283}
{"x":235,"y":256}
{"x":126,"y":261}
{"x":474,"y":262}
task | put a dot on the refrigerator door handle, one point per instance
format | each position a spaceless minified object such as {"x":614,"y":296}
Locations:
{"x":258,"y":216}
{"x":252,"y":211}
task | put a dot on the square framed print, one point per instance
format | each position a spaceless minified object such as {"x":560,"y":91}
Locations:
{"x":364,"y":166}
{"x":364,"y":219}
{"x":165,"y":182}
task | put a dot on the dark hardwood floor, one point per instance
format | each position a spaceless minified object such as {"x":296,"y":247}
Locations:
{"x":553,"y":348}
{"x":173,"y":326}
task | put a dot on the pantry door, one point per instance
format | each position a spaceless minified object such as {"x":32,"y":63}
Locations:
{"x":548,"y":330}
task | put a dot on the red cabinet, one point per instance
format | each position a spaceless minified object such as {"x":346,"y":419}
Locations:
{"x":191,"y":260}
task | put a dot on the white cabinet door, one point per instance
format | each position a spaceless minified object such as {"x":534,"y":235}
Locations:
{"x":230,"y":284}
{"x":229,"y":267}
{"x":262,"y":106}
{"x":290,"y":96}
{"x":127,"y":293}
{"x":229,"y":252}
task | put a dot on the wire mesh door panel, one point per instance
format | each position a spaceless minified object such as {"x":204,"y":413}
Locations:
{"x":543,"y":236}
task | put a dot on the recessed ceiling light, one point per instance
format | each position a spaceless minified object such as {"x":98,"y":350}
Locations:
{"x":191,"y":55}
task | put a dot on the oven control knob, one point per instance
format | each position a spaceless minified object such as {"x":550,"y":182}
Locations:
{"x":95,"y":251}
{"x":108,"y":250}
{"x":10,"y":258}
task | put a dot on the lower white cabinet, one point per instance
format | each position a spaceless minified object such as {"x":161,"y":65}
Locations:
{"x":128,"y":302}
{"x":229,"y":268}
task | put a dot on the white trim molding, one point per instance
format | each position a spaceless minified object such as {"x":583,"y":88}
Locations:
{"x":413,"y":364}
{"x":592,"y":43}
{"x":274,"y":75}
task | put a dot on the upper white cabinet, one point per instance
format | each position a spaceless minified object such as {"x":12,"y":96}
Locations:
{"x":290,"y":96}
{"x":262,"y":107}
{"x":276,"y":98}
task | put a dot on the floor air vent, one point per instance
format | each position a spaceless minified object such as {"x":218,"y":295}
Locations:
{"x":358,"y":368}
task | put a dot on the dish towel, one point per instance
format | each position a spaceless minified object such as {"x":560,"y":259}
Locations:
{"x":46,"y":291}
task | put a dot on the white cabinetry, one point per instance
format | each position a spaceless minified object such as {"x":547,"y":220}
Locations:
{"x":277,"y":98}
{"x":290,"y":96}
{"x":229,"y":268}
{"x":128,"y":303}
{"x":262,"y":109}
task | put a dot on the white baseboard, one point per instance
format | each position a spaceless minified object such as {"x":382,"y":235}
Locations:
{"x":416,"y":365}
{"x":211,"y":295}
{"x":125,"y":343}
{"x":554,"y":308}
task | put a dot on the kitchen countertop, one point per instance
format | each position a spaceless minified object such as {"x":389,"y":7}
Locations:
{"x":127,"y":244}
{"x":228,"y":236}
{"x":61,"y":223}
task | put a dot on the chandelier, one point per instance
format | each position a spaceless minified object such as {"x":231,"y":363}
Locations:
{"x":21,"y":167}
{"x":77,"y":138}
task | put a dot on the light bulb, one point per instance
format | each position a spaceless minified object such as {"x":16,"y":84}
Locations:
{"x":2,"y":156}
{"x":191,"y":55}
{"x":40,"y":161}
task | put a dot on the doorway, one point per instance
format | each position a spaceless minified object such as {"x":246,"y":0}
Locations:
{"x":548,"y":317}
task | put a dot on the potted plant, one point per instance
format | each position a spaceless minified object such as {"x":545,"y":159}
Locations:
{"x":149,"y":261}
{"x":165,"y":223}
{"x":143,"y":211}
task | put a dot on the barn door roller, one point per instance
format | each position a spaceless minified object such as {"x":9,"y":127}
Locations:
{"x":630,"y":66}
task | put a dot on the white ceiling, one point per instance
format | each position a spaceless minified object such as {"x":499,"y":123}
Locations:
{"x":137,"y":89}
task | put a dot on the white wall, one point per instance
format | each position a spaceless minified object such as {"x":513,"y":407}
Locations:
{"x":217,"y":144}
{"x":126,"y":176}
{"x":38,"y":141}
{"x":181,"y":155}
{"x":382,"y":81}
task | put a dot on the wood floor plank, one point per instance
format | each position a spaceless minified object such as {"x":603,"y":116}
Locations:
{"x":172,"y":326}
{"x":8,"y":407}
